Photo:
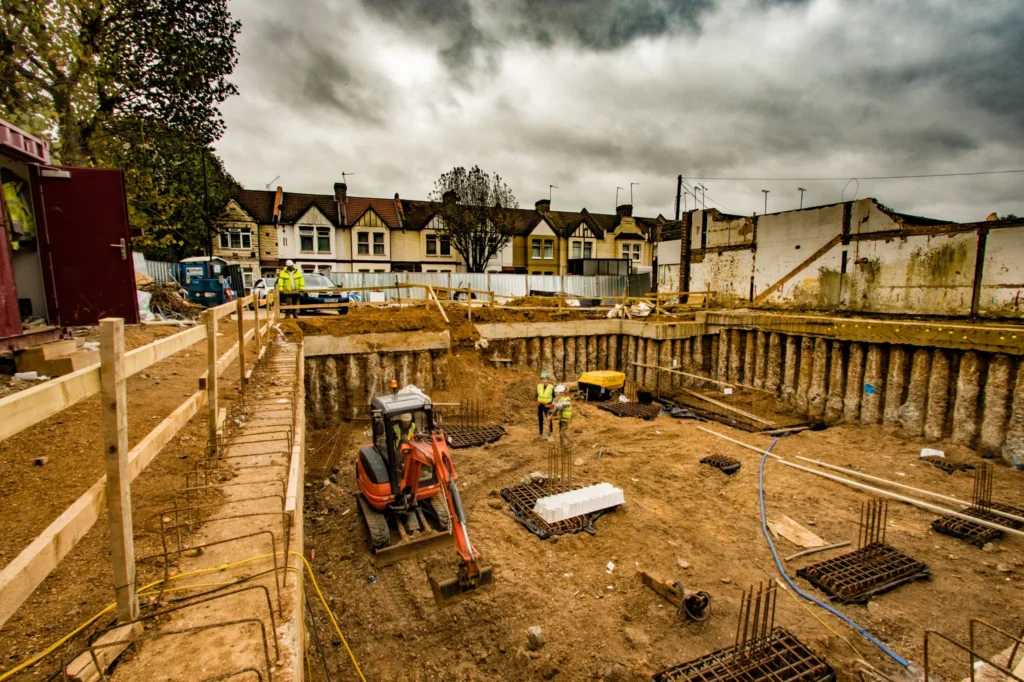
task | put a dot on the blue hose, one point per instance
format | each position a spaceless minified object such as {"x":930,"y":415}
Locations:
{"x":778,"y":562}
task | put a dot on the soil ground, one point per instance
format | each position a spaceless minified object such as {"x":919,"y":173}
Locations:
{"x":603,"y":624}
{"x":35,"y":496}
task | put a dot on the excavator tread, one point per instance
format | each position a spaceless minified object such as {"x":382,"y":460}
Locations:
{"x":376,"y":524}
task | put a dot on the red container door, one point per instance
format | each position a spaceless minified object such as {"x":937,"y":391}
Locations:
{"x":84,"y":244}
{"x":10,"y":317}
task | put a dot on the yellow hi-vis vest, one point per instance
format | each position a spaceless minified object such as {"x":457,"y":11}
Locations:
{"x":565,"y":409}
{"x":545,"y":392}
{"x":291,"y":281}
{"x":408,"y":434}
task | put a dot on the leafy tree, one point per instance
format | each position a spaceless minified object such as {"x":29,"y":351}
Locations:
{"x":163,"y":172}
{"x":70,"y":69}
{"x":476,"y":211}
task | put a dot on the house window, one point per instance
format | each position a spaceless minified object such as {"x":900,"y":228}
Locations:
{"x":308,"y":269}
{"x":549,"y":248}
{"x":236,"y":239}
{"x":306,"y":239}
{"x":446,"y":245}
{"x":535,"y":246}
{"x":323,"y":239}
{"x":576,"y":250}
{"x":247,"y":279}
{"x":378,"y":270}
{"x":363,"y":247}
{"x":431,"y":244}
{"x":378,"y":244}
{"x":587,"y":249}
{"x":625,"y":250}
{"x":636,"y":252}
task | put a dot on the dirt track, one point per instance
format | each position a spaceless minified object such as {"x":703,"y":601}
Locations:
{"x":607,"y":625}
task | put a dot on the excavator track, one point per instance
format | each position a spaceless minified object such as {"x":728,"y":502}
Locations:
{"x":376,"y":523}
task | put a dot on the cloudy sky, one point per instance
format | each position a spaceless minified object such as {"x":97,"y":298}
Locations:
{"x":590,"y":95}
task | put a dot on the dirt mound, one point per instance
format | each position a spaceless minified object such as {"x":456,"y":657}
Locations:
{"x":366,"y":320}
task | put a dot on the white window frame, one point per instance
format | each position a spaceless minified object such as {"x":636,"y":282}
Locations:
{"x":244,"y":239}
{"x":378,"y":240}
{"x":536,"y":249}
{"x":549,"y":248}
{"x":636,"y":252}
{"x":307,"y":231}
{"x":322,"y":232}
{"x":577,"y":249}
{"x":588,"y":249}
{"x":363,"y":241}
{"x":247,"y":279}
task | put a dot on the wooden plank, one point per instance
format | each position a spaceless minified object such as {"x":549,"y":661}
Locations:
{"x":139,"y":359}
{"x":110,"y":645}
{"x":114,"y":416}
{"x":149,"y":447}
{"x":797,"y":534}
{"x":439,"y":306}
{"x":798,"y":269}
{"x":211,"y":372}
{"x":726,"y":406}
{"x":21,"y":577}
{"x":241,"y":355}
{"x":31,"y":406}
{"x":662,"y":587}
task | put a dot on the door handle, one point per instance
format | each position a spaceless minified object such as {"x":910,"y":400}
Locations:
{"x":124,"y":249}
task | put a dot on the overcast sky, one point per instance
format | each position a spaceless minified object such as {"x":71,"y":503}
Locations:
{"x":589,"y":95}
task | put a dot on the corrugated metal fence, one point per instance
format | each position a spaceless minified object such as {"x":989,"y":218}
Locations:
{"x":157,"y":270}
{"x":502,"y":284}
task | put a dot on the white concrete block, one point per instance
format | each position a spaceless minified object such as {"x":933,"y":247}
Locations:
{"x":555,"y":508}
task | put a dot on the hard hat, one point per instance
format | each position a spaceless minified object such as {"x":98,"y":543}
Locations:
{"x":544,"y":375}
{"x":559,"y":388}
{"x":405,"y":418}
{"x":290,"y":263}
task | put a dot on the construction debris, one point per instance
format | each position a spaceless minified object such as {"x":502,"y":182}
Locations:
{"x":689,"y":605}
{"x":166,"y":300}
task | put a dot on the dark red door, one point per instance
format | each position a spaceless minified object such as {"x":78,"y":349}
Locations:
{"x":10,"y":318}
{"x":84,"y":244}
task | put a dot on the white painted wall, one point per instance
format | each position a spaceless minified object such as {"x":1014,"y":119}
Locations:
{"x":1002,"y":284}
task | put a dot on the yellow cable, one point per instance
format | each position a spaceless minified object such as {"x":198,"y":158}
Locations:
{"x":309,"y":571}
{"x":812,"y":612}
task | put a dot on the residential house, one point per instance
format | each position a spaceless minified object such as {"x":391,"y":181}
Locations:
{"x":261,"y":229}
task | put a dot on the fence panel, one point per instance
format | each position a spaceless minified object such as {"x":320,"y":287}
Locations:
{"x":157,"y":270}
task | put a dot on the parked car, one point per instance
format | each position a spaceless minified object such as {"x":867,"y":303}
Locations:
{"x":311,"y":295}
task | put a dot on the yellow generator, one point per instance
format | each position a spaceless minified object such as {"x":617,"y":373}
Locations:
{"x":601,"y":385}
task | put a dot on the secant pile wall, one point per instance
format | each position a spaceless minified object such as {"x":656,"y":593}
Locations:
{"x":344,"y":373}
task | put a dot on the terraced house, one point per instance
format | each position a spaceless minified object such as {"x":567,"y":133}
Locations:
{"x":261,"y":229}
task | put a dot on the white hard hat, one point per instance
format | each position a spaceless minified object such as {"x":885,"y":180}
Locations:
{"x":560,"y":388}
{"x":290,"y":263}
{"x":405,"y":418}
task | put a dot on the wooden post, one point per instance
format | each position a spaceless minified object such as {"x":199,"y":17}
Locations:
{"x":115,"y":441}
{"x":211,"y":376}
{"x":398,"y":289}
{"x":469,"y":302}
{"x":241,"y":345}
{"x":256,"y":313}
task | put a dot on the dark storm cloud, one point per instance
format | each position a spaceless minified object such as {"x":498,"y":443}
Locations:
{"x":593,"y":94}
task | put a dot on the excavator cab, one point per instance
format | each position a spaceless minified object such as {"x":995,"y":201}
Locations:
{"x":407,"y":481}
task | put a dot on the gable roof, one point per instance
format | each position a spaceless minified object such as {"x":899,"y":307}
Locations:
{"x":258,"y":203}
{"x":387,"y":209}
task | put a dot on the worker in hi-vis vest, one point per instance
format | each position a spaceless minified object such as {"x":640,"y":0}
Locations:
{"x":290,"y":282}
{"x":545,"y":394}
{"x":562,"y":407}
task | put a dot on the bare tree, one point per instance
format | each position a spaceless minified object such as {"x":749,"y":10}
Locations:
{"x":476,"y":211}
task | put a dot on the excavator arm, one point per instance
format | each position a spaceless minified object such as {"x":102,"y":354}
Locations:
{"x":472,"y":574}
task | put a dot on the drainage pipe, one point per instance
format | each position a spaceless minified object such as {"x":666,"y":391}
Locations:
{"x":778,"y":562}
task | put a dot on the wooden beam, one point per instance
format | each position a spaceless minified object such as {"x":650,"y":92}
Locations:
{"x":114,"y":412}
{"x":110,"y":645}
{"x":139,"y":359}
{"x":241,"y":354}
{"x":761,"y":297}
{"x":439,"y":306}
{"x":726,"y":406}
{"x":31,"y":406}
{"x":211,"y":373}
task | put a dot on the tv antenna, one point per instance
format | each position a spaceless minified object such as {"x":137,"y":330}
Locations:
{"x":345,"y":175}
{"x":276,"y":177}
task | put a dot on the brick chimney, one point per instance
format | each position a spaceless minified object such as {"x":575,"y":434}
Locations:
{"x":341,"y":192}
{"x":624,"y":211}
{"x":277,"y":203}
{"x":543,"y":206}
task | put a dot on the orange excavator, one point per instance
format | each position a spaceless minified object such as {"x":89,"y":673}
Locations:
{"x":407,"y":482}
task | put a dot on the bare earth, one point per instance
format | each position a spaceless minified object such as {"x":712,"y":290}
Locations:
{"x":607,"y":625}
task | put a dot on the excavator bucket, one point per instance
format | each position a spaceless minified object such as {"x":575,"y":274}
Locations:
{"x":461,"y":584}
